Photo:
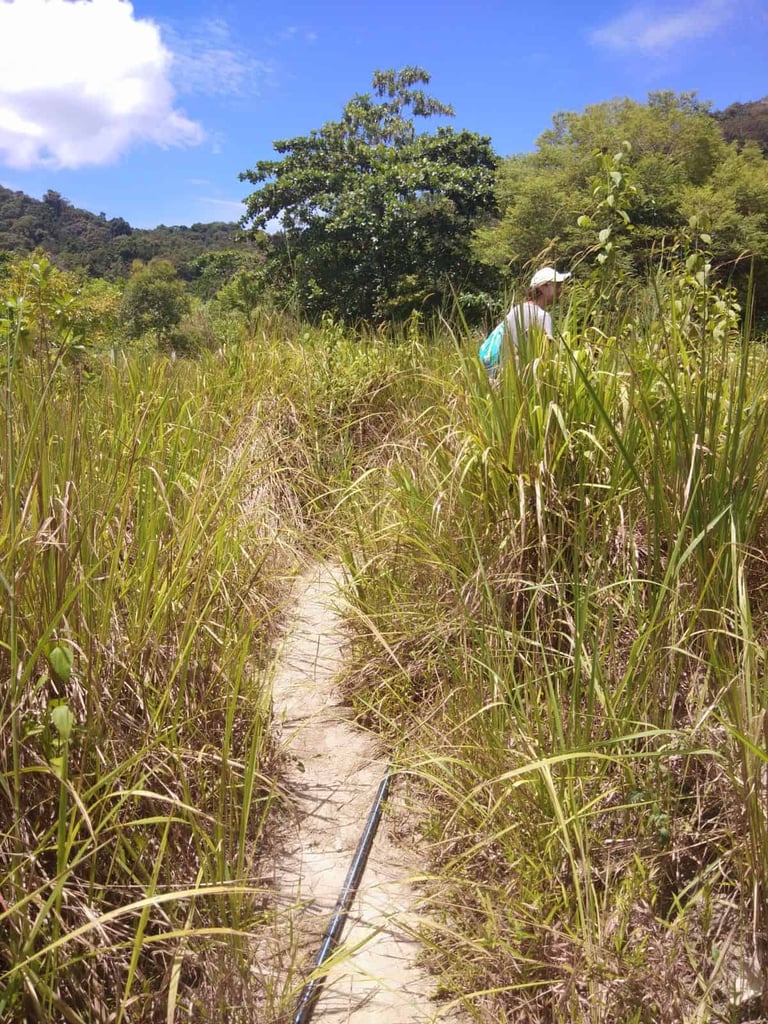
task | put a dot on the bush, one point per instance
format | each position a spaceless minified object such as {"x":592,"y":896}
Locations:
{"x":155,"y":301}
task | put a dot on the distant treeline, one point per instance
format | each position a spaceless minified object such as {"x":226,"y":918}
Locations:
{"x":745,"y":122}
{"x":102,"y":247}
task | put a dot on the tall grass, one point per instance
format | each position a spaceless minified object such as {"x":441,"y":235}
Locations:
{"x":559,"y":590}
{"x":141,"y":591}
{"x":562,"y":609}
{"x":153,"y":510}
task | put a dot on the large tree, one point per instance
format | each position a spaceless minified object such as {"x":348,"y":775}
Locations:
{"x":375,"y":217}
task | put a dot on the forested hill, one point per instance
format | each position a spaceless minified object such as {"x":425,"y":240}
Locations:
{"x":103,"y":248}
{"x":745,"y":122}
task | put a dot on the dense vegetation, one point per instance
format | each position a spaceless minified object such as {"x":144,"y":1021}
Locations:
{"x":559,"y":615}
{"x":151,"y":510}
{"x":99,"y":247}
{"x":675,"y":165}
{"x":562,"y":630}
{"x":370,"y":218}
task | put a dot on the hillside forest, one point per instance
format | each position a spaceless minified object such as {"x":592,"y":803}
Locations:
{"x":555,"y":584}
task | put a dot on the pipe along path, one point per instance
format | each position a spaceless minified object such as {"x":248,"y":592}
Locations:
{"x":311,"y":992}
{"x":332,"y":771}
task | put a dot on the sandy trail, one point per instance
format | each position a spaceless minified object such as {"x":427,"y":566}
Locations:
{"x":333,"y":778}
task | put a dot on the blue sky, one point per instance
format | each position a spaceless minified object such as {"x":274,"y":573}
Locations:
{"x":149,"y":109}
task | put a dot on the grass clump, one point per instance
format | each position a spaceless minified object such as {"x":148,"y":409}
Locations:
{"x":141,"y":592}
{"x":562,"y":610}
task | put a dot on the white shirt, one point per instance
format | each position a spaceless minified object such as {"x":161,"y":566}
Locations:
{"x":526,"y":315}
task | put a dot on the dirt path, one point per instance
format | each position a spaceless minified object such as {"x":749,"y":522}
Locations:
{"x":333,"y":778}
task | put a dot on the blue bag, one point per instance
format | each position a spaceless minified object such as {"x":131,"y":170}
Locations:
{"x":490,"y":350}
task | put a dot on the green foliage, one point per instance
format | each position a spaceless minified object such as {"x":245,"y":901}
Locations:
{"x":680,"y":165}
{"x":375,"y":218}
{"x":243,"y":293}
{"x":38,"y":306}
{"x":734,"y":202}
{"x":154,"y":301}
{"x":96,"y":312}
{"x":613,"y":196}
{"x":61,"y":658}
{"x":78,"y":240}
{"x":216,"y":268}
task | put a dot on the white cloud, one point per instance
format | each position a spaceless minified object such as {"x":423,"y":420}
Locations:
{"x":293,"y":33}
{"x":234,"y":206}
{"x":81,"y":81}
{"x":651,"y":31}
{"x":206,"y":60}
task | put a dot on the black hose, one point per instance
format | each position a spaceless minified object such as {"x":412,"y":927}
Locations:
{"x":311,"y":991}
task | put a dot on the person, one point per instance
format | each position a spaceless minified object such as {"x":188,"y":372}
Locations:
{"x":542,"y":293}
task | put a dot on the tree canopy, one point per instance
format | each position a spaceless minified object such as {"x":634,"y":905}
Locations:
{"x":154,"y":300}
{"x":374,"y":218}
{"x":681,"y":166}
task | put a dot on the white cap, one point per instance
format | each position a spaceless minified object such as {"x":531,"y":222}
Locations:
{"x":547,"y":275}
